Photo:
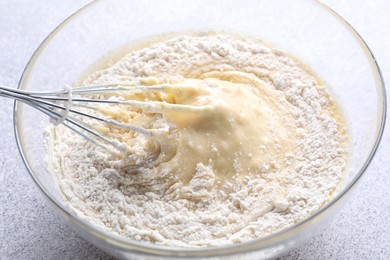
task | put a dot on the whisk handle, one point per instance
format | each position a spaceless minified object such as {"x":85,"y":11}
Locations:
{"x":8,"y":92}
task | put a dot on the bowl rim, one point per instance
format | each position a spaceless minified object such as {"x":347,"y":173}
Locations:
{"x":251,"y":245}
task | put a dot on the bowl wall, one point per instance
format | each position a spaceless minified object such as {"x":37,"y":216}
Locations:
{"x":306,"y":29}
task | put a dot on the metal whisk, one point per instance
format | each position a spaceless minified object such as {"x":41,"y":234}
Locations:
{"x":61,"y":106}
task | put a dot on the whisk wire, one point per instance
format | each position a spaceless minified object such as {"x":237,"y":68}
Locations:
{"x":58,"y":105}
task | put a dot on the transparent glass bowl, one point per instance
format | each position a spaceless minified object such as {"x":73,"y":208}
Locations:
{"x":306,"y":29}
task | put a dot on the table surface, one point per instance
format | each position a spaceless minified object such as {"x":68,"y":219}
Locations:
{"x":30,"y":229}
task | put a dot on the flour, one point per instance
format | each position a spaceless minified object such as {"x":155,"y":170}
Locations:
{"x":131,"y":198}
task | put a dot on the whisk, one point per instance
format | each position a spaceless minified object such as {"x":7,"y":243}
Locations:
{"x":61,"y":106}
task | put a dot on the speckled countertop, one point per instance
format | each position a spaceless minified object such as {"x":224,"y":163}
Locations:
{"x":29,"y":228}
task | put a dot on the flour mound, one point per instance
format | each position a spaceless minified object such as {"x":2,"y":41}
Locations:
{"x":131,"y":198}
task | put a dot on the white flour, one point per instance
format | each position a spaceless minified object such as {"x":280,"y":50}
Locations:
{"x":157,"y":207}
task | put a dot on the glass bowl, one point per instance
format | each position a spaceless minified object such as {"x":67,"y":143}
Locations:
{"x":307,"y":29}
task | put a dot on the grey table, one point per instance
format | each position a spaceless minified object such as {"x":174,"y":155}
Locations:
{"x":29,"y":229}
